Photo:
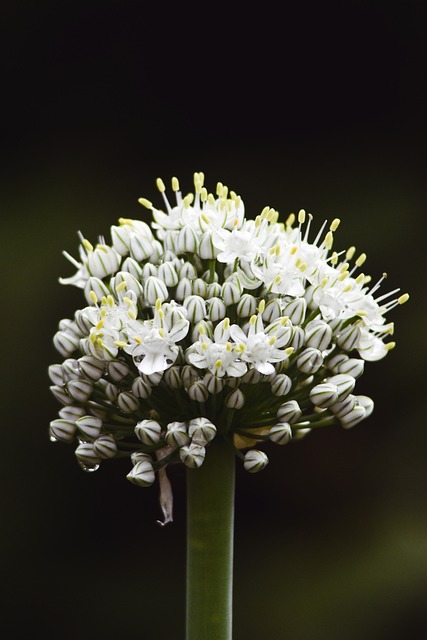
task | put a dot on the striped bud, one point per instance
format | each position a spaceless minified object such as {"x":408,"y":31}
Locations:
{"x":176,"y":434}
{"x":196,"y":308}
{"x":252,"y":376}
{"x":117,"y":370}
{"x":318,"y":335}
{"x":296,"y":310}
{"x":61,"y":394}
{"x":62,"y":430}
{"x":192,"y":455}
{"x":127,"y":402}
{"x":105,"y":447}
{"x":344,"y":383}
{"x":324,"y":395}
{"x":281,"y":384}
{"x":207,"y":250}
{"x":200,"y":288}
{"x":172,"y":377}
{"x":246,"y":306}
{"x":201,"y":431}
{"x":231,"y":292}
{"x":310,"y":361}
{"x":98,"y":287}
{"x":255,"y":461}
{"x":217,"y":309}
{"x":87,"y":457}
{"x":197,"y":391}
{"x":272,"y":311}
{"x":65,"y":343}
{"x":132,"y":284}
{"x":148,"y":270}
{"x":188,"y":375}
{"x":235,"y":399}
{"x":187,"y":271}
{"x":289,"y":412}
{"x":349,"y":337}
{"x":183,"y":290}
{"x":367,"y":403}
{"x":91,"y":367}
{"x":71,"y":370}
{"x":213,"y":384}
{"x":148,"y":431}
{"x":281,"y":433}
{"x":140,"y":248}
{"x":187,"y":241}
{"x":155,"y":289}
{"x":142,"y":474}
{"x":139,"y":456}
{"x":89,"y":426}
{"x":298,"y":338}
{"x":56,"y":374}
{"x":167,"y":273}
{"x":352,"y":366}
{"x":102,"y":262}
{"x":334,"y":363}
{"x":341,"y":408}
{"x":353,"y":417}
{"x":214,"y":290}
{"x":131,"y":266}
{"x":141,"y":388}
{"x":72,"y":412}
{"x":80,"y":390}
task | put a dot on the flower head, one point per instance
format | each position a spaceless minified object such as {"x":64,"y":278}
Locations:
{"x":206,"y":324}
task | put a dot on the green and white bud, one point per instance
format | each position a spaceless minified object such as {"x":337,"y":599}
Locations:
{"x":111,"y":392}
{"x":235,"y":399}
{"x":310,"y":360}
{"x":131,"y":266}
{"x":231,"y":292}
{"x":62,"y":430}
{"x":217,"y":309}
{"x":176,"y":434}
{"x":140,"y":248}
{"x":214,"y":290}
{"x":117,"y":370}
{"x":197,"y":391}
{"x":167,"y":273}
{"x":65,"y":343}
{"x":141,"y":388}
{"x":324,"y":395}
{"x":148,"y":270}
{"x":192,"y":455}
{"x":281,"y":384}
{"x":349,"y":337}
{"x":98,"y":287}
{"x":200,"y":288}
{"x":289,"y":412}
{"x":187,"y":241}
{"x":172,"y":377}
{"x":157,"y":252}
{"x":344,"y":383}
{"x":343,"y":407}
{"x":281,"y":433}
{"x":56,"y":374}
{"x":92,"y":367}
{"x":334,"y":363}
{"x":255,"y":461}
{"x":189,"y":375}
{"x":61,"y":394}
{"x":207,"y":250}
{"x":89,"y":427}
{"x":103,"y":261}
{"x":272,"y":311}
{"x":196,"y":308}
{"x":187,"y":271}
{"x":87,"y":456}
{"x":142,"y":474}
{"x":155,"y":289}
{"x":139,"y":456}
{"x":201,"y":431}
{"x":132,"y":284}
{"x":296,"y":310}
{"x":148,"y":431}
{"x":353,"y":417}
{"x":72,"y":412}
{"x":80,"y":390}
{"x":127,"y":402}
{"x":183,"y":290}
{"x":298,"y":338}
{"x":252,"y":376}
{"x":318,"y":334}
{"x":105,"y":447}
{"x":213,"y":383}
{"x":247,"y":306}
{"x":71,"y":370}
{"x":352,"y":366}
{"x":367,"y":403}
{"x":299,"y":434}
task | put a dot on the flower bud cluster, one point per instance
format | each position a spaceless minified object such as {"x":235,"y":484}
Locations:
{"x":208,"y":324}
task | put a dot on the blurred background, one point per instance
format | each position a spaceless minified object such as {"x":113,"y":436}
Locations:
{"x":319,"y":107}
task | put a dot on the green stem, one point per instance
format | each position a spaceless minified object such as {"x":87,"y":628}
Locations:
{"x":210,"y":522}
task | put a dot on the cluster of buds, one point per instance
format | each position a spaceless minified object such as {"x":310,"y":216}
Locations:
{"x":208,"y":324}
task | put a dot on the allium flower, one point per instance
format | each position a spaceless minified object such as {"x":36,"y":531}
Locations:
{"x":208,"y":325}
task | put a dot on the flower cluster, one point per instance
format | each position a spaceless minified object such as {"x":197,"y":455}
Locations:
{"x":207,"y":323}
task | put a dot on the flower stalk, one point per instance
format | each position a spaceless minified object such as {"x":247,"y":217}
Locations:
{"x":210,"y":527}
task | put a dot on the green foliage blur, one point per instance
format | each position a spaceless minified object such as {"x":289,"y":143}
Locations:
{"x":323,"y":112}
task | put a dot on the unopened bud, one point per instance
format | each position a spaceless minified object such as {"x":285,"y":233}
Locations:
{"x":89,"y":427}
{"x":281,"y":384}
{"x":235,"y":399}
{"x":105,"y":447}
{"x":148,"y":431}
{"x":310,"y":361}
{"x":324,"y":395}
{"x":255,"y":461}
{"x":289,"y":412}
{"x":142,"y":474}
{"x":281,"y":433}
{"x":62,"y":430}
{"x":192,"y":455}
{"x":176,"y":434}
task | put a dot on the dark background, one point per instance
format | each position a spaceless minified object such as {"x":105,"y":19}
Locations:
{"x":321,"y":106}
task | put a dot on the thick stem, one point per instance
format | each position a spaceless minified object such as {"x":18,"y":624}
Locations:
{"x":210,"y":529}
